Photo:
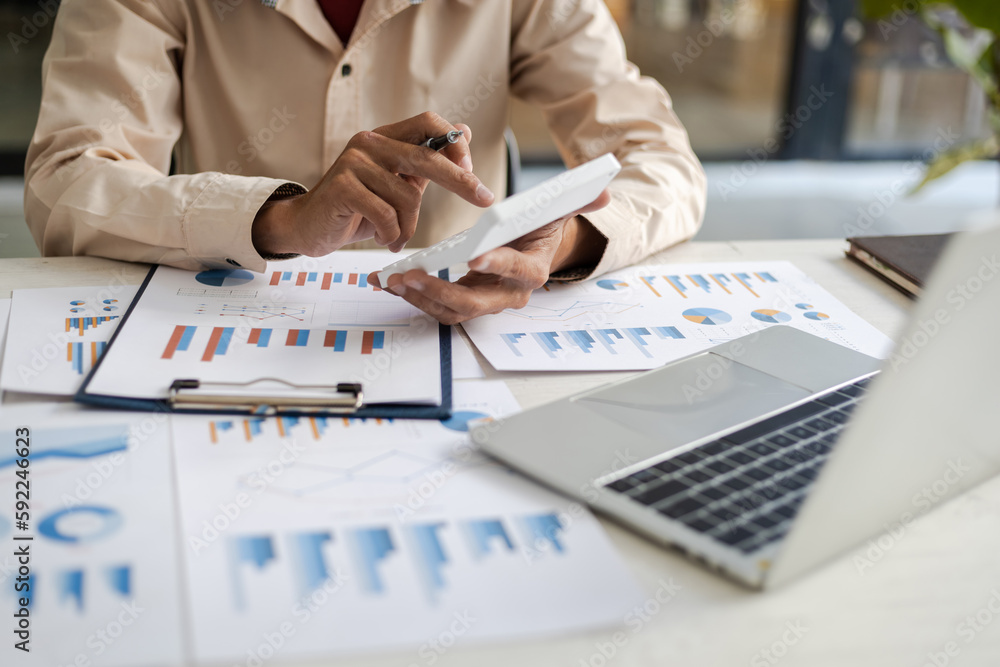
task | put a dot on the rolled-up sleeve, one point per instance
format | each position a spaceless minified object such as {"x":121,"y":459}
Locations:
{"x":568,"y":58}
{"x":96,"y":178}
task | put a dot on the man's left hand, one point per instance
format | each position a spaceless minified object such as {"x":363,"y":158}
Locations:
{"x":504,"y":277}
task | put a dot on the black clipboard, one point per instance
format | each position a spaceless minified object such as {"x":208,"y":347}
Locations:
{"x":347,"y":399}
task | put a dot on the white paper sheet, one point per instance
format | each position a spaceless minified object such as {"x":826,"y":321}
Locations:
{"x":333,"y":537}
{"x":56,"y":334}
{"x":4,"y":317}
{"x":643,"y":317}
{"x":307,"y":321}
{"x":103,"y":562}
{"x":464,"y":365}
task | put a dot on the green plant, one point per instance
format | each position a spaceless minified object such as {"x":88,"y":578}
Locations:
{"x":973,"y":46}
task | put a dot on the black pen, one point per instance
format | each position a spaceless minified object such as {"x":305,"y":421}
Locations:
{"x":437,"y":143}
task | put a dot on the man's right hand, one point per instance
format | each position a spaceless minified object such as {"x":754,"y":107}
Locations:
{"x":373,"y":190}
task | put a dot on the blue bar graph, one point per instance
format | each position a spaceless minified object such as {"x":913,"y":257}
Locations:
{"x":224,"y":338}
{"x":767,"y":277}
{"x":582,"y":339}
{"x":605,"y":336}
{"x":543,"y":530}
{"x":363,"y":280}
{"x":338,"y":277}
{"x":482,"y":533}
{"x":511,"y":341}
{"x":71,"y":587}
{"x":309,"y":563}
{"x":311,"y":277}
{"x":547,"y":340}
{"x":120,"y":579}
{"x":76,"y":357}
{"x":701,"y":282}
{"x":255,"y":550}
{"x":429,"y":556}
{"x":369,"y":547}
{"x":677,"y":284}
{"x":668,"y":332}
{"x":635,"y":335}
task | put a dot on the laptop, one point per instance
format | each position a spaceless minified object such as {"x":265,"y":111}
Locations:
{"x":771,"y":454}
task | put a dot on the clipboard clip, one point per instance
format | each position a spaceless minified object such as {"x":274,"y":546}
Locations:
{"x":341,"y":398}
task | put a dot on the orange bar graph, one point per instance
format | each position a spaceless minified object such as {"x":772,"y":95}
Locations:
{"x":720,"y":284}
{"x":327,"y":277}
{"x":175,"y":339}
{"x":213,"y":343}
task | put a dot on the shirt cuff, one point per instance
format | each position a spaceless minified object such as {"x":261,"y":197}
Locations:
{"x":616,"y":223}
{"x":217,"y":225}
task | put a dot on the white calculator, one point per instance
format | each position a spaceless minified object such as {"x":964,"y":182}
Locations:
{"x":514,"y":217}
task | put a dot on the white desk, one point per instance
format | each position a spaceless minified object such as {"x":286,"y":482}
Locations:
{"x":944,"y":568}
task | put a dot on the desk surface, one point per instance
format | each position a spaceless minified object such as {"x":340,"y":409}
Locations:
{"x":907,"y":604}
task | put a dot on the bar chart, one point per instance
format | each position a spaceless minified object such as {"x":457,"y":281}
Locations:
{"x":83,"y":356}
{"x":325,"y":280}
{"x":376,"y":559}
{"x":592,"y":341}
{"x":690,"y":285}
{"x":84,"y":324}
{"x":221,"y":340}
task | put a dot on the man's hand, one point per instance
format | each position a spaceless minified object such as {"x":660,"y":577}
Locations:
{"x":504,"y":277}
{"x":372,"y":190}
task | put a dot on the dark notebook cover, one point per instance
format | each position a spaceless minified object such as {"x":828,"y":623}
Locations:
{"x":904,"y":261}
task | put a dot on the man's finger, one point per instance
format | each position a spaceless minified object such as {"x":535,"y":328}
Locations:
{"x":512,"y":264}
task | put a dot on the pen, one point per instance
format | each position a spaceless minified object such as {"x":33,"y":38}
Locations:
{"x":437,"y":143}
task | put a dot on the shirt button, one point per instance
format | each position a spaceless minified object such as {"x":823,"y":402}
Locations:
{"x":234,"y":262}
{"x":345,"y":70}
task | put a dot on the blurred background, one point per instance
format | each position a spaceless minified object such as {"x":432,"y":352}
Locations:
{"x":741,"y":73}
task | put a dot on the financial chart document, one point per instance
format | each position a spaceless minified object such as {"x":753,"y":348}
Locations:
{"x":310,"y":321}
{"x":644,"y":317}
{"x":335,"y":536}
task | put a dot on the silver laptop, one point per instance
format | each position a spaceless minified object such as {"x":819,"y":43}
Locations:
{"x":768,"y":455}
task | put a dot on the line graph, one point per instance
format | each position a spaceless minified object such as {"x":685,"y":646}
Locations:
{"x":544,"y":313}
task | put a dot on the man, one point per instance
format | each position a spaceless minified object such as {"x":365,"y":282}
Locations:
{"x":256,"y":99}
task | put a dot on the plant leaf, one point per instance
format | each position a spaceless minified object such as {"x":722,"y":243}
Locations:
{"x":980,"y":13}
{"x":981,"y":150}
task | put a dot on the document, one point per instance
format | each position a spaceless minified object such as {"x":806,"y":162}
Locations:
{"x":102,"y":569}
{"x":57,"y":334}
{"x":311,"y":322}
{"x":326,"y":537}
{"x":644,"y":317}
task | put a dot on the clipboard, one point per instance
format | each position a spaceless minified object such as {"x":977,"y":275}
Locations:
{"x":343,"y":399}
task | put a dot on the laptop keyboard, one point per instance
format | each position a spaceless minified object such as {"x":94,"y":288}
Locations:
{"x":745,"y":488}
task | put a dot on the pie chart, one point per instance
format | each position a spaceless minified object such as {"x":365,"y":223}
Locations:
{"x":816,"y":315}
{"x":224,"y":277}
{"x":770,"y":316}
{"x":459,"y":421}
{"x":709,"y":316}
{"x":611,"y":284}
{"x":804,"y":306}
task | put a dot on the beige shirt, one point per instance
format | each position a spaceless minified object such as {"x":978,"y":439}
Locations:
{"x":248,"y":95}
